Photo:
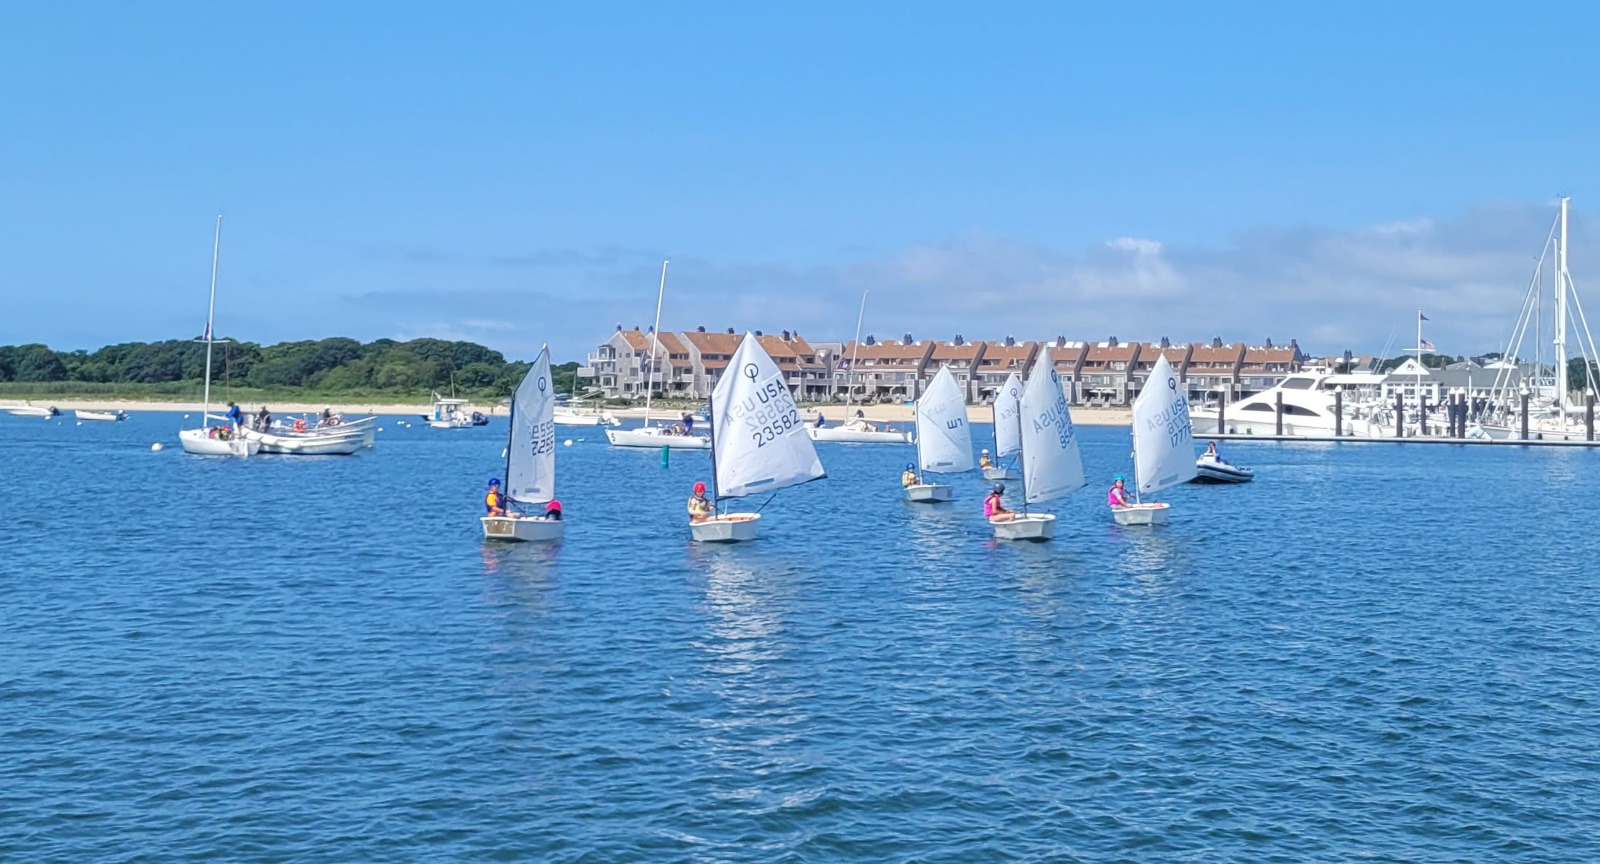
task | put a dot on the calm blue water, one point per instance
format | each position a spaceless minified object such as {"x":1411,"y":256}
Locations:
{"x":1374,"y":652}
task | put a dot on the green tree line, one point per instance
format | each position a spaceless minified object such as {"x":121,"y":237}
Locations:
{"x":331,"y":366}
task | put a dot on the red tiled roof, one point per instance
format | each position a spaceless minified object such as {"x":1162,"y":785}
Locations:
{"x":1004,"y":356}
{"x":948,"y":351}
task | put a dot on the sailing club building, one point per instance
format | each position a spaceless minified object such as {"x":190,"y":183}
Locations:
{"x":1109,"y":372}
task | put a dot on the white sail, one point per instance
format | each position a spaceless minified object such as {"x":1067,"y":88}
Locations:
{"x":757,"y":437}
{"x":1007,"y":410}
{"x":1163,"y":443}
{"x":944,"y":437}
{"x":1051,"y":463}
{"x":531,"y":454}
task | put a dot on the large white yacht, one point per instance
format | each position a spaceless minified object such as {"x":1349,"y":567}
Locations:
{"x":1308,"y":408}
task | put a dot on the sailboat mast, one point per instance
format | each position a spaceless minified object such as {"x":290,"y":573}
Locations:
{"x":211,"y":313}
{"x":711,"y":421}
{"x":1021,"y":458}
{"x":1561,"y":315}
{"x":655,"y":343}
{"x":511,"y":426}
{"x":1422,"y":422}
{"x":855,"y":347}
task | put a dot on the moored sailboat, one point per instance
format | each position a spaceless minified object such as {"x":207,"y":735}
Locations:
{"x":1163,"y":445}
{"x":211,"y":440}
{"x":758,"y":442}
{"x":647,"y":435}
{"x":530,"y":461}
{"x":944,"y":438}
{"x":856,"y":430}
{"x":1052,"y":467}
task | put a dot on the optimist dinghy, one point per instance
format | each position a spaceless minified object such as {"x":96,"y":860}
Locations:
{"x":1048,"y":449}
{"x":1163,"y":445}
{"x":944,"y":438}
{"x":530,"y":460}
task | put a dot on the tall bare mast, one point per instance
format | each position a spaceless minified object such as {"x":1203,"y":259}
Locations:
{"x":850,"y":379}
{"x":655,"y":343}
{"x":1561,"y":314}
{"x":211,"y":312}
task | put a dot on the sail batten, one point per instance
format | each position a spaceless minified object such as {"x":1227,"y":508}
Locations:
{"x":759,"y":440}
{"x":944,"y":437}
{"x":531,"y":451}
{"x":1163,"y":440}
{"x":1051,"y":463}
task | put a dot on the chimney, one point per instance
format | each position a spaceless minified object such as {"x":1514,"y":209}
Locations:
{"x":1112,"y":342}
{"x":1061,"y":341}
{"x":1348,"y":357}
{"x":700,"y":329}
{"x":730,"y":331}
{"x":1216,"y":342}
{"x":958,"y":340}
{"x":1011,"y":341}
{"x":872,"y":340}
{"x":906,"y":340}
{"x":619,"y":327}
{"x":1165,"y":343}
{"x":786,"y":335}
{"x":758,"y":332}
{"x":1269,"y":341}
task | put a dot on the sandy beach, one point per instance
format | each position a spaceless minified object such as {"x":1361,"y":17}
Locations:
{"x":833,"y":413}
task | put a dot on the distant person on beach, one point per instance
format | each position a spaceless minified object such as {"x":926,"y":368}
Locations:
{"x":993,"y":510}
{"x":1117,"y":496}
{"x":699,"y":505}
{"x":492,"y":501}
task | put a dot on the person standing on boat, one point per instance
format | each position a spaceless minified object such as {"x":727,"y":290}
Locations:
{"x":492,"y":501}
{"x":993,"y":509}
{"x":819,"y":420}
{"x":983,"y":459}
{"x":1118,"y":496}
{"x":263,"y":419}
{"x":909,"y":478}
{"x":699,"y":505}
{"x":234,"y":415}
{"x":688,"y":424}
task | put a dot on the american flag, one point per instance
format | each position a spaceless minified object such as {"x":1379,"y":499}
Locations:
{"x":1426,"y":345}
{"x":844,"y":365}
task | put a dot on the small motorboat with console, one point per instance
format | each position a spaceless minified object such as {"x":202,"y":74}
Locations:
{"x":1211,"y":469}
{"x":103,"y":416}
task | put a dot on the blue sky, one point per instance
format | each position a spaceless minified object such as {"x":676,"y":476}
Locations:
{"x":513,"y":173}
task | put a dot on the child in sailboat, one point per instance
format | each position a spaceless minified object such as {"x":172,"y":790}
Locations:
{"x":492,"y":501}
{"x":552,"y":511}
{"x":983,"y":459}
{"x":699,"y":505}
{"x":1118,"y":496}
{"x":993,"y":510}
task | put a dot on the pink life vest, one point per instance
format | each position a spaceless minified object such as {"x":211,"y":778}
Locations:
{"x":1115,"y":498}
{"x":991,"y":505}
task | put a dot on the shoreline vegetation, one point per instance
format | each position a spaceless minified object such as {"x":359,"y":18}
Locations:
{"x":383,"y":377}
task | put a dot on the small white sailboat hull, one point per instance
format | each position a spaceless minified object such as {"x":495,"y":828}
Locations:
{"x":563,"y":418}
{"x":1000,"y":474}
{"x":844,"y":435}
{"x":654,"y":438}
{"x":930,"y":493}
{"x":1141,"y":514}
{"x":103,"y":416}
{"x":199,"y":443}
{"x":1035,"y":527}
{"x":1217,"y":471}
{"x":523,"y":529}
{"x":310,"y":443}
{"x":727,"y":528}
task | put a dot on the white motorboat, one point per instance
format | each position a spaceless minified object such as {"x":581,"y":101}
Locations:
{"x":757,"y":445}
{"x":209,"y":440}
{"x":1209,"y":469}
{"x":324,"y":439}
{"x":1004,"y":411}
{"x":1163,"y":445}
{"x":1047,"y":445}
{"x":860,"y":431}
{"x":453,"y":413}
{"x":1310,"y":409}
{"x":571,"y":415}
{"x":944,"y":438}
{"x":530,"y":461}
{"x":101,"y":416}
{"x":28,"y":409}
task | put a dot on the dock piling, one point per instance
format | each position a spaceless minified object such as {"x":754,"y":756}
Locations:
{"x":1399,"y":415}
{"x":1338,"y":413}
{"x":1278,"y":414}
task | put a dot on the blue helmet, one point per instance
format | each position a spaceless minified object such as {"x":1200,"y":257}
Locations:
{"x":1117,"y":479}
{"x":911,"y":466}
{"x":494,"y":481}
